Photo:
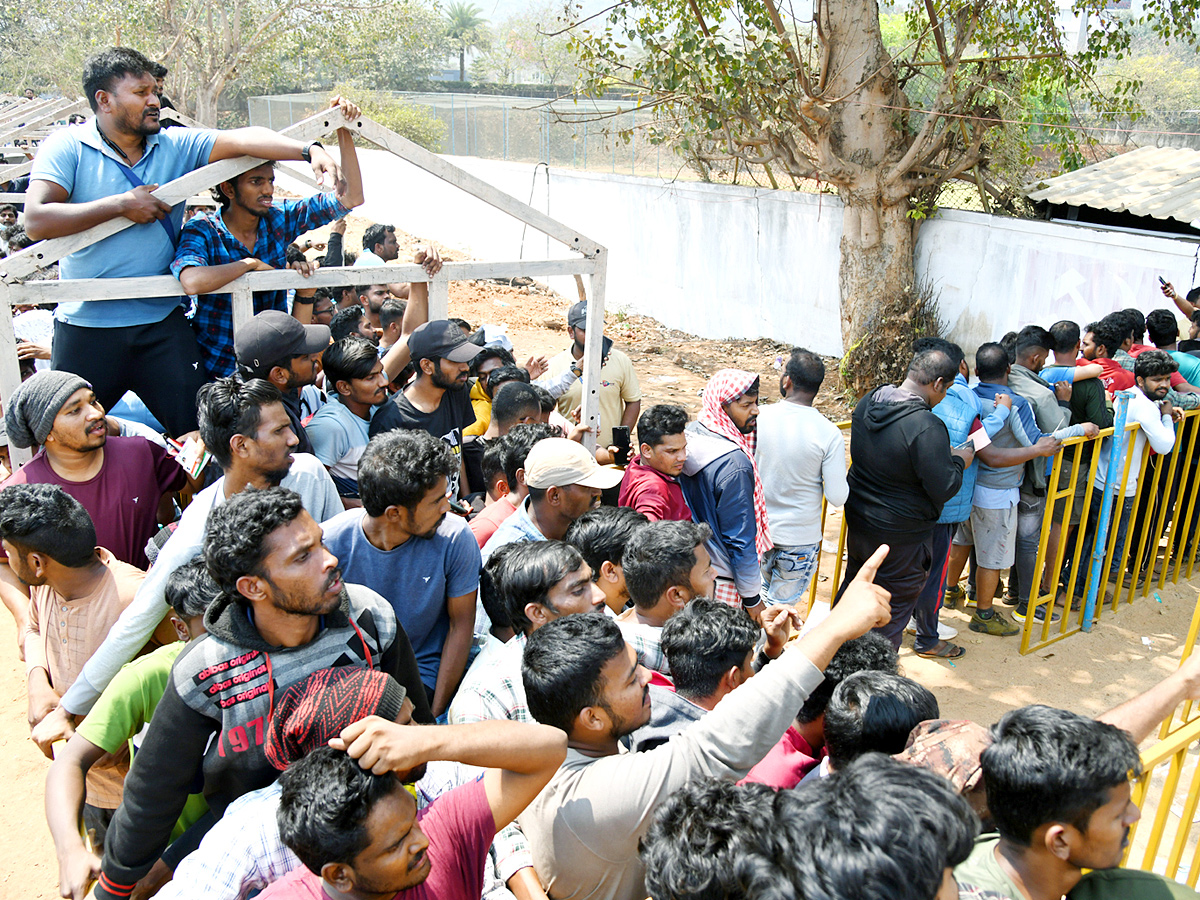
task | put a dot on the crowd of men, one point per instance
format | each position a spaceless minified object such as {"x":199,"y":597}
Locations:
{"x":405,"y":634}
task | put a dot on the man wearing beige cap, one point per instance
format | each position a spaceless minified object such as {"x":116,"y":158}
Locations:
{"x":564,"y":482}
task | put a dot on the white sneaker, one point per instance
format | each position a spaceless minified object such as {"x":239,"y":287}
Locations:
{"x":945,"y":632}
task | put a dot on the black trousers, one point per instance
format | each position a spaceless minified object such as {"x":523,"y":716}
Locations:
{"x":159,"y":362}
{"x":903,"y":573}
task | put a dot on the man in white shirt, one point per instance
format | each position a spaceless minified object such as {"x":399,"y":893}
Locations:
{"x":1155,"y":415}
{"x":801,"y":457}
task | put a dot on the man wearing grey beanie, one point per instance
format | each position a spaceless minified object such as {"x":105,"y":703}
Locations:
{"x":119,"y":480}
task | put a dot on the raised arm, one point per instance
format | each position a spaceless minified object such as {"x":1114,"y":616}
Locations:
{"x":520,"y":758}
{"x":455,"y":650}
{"x":350,"y":170}
{"x":263,"y":143}
{"x":1140,"y":715}
{"x":1168,"y":289}
{"x":416,"y":313}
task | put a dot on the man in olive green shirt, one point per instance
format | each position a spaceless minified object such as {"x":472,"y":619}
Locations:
{"x":1058,"y":788}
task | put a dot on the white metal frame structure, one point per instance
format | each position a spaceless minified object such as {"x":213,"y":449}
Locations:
{"x":591,"y":259}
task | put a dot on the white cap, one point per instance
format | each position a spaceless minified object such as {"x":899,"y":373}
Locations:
{"x":558,"y":462}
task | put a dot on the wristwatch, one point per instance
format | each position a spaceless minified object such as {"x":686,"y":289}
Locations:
{"x":306,"y":151}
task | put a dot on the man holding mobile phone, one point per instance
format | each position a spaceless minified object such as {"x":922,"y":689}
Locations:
{"x":620,"y":392}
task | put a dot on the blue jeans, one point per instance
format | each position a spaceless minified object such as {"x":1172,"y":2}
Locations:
{"x":1118,"y":528}
{"x":1030,"y":512}
{"x":786,"y":572}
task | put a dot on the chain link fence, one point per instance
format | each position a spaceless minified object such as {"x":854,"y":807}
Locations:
{"x":595,"y":135}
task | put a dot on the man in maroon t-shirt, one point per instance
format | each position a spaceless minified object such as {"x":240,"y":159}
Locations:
{"x":120,"y":481}
{"x":651,"y":482}
{"x":360,"y":834}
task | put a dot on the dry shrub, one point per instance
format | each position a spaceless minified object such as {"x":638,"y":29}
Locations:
{"x":882,"y":354}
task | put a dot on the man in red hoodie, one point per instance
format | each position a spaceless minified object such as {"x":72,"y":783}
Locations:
{"x":651,"y":482}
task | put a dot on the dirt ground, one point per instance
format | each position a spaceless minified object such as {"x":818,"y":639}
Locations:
{"x":1088,"y":673}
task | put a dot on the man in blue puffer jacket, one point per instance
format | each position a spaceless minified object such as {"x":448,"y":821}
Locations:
{"x":959,"y":410}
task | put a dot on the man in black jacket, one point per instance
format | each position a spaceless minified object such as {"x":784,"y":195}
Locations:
{"x":283,"y":613}
{"x":903,"y":471}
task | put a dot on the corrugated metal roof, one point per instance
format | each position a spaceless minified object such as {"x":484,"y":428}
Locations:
{"x":1151,"y":181}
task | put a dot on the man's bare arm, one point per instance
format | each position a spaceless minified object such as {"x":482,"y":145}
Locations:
{"x":455,"y":650}
{"x":65,"y":790}
{"x":263,"y":143}
{"x":521,"y":758}
{"x":630,"y":416}
{"x":1142,"y":714}
{"x":416,"y":313}
{"x":1185,"y":306}
{"x":350,"y":170}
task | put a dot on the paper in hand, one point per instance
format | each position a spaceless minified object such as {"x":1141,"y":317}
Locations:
{"x":979,"y":435}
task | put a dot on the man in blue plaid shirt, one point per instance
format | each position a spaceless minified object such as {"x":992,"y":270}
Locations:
{"x":250,"y":233}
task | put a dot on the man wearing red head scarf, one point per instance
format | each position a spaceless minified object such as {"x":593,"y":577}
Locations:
{"x":721,"y":485}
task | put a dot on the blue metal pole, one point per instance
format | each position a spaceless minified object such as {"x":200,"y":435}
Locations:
{"x":1116,"y":464}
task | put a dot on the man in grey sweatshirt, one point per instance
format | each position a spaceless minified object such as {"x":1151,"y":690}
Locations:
{"x":581,"y":676}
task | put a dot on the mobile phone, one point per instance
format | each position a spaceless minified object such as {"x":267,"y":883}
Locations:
{"x":1162,"y":281}
{"x":620,"y":440}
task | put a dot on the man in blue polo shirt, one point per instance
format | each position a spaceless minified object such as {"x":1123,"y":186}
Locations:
{"x":107,"y":169}
{"x":249,"y":233}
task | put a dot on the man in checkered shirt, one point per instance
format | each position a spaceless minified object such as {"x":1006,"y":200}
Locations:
{"x":251,"y":233}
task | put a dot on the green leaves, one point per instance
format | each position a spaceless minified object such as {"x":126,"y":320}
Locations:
{"x":232,"y":46}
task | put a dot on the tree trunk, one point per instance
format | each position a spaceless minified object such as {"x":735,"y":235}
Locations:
{"x":462,"y":63}
{"x":876,"y":258}
{"x":867,"y":134}
{"x":206,"y":105}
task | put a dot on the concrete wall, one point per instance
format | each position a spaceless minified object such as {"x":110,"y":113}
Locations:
{"x":996,"y":274}
{"x":710,"y":260}
{"x":719,"y":261}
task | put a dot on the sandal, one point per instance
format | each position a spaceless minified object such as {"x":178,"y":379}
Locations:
{"x":943,"y":650}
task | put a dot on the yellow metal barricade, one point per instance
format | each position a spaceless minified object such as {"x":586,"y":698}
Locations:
{"x":841,"y":545}
{"x":1162,"y":522}
{"x":1187,"y":711}
{"x":1168,"y":792}
{"x":1160,"y":542}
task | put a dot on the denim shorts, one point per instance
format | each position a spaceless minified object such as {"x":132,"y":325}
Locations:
{"x":787,"y":571}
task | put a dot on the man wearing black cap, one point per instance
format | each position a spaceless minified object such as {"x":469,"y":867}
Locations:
{"x":277,"y":348}
{"x":620,"y":393}
{"x":436,"y":401}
